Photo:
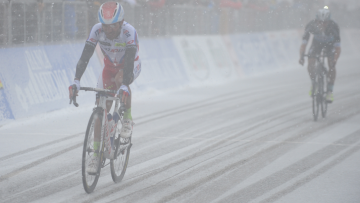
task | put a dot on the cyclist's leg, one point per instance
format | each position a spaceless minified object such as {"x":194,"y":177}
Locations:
{"x":311,"y":69}
{"x":119,"y":79}
{"x":105,"y":81}
{"x":313,"y":52}
{"x":332,"y":69}
{"x":331,"y":74}
{"x":126,"y":130}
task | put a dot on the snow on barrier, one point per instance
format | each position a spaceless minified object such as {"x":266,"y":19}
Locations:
{"x":161,"y":66}
{"x":262,"y":52}
{"x":5,"y":110}
{"x":350,"y":43}
{"x":206,"y":58}
{"x":35,"y":80}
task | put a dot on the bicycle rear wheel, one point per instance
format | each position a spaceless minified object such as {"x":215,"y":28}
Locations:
{"x":118,"y":166}
{"x":315,"y":100}
{"x":90,"y":181}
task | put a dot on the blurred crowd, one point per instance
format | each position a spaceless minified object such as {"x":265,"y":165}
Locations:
{"x":236,"y":4}
{"x":255,"y":14}
{"x":304,"y":6}
{"x":162,"y":3}
{"x":47,"y":21}
{"x":261,"y":5}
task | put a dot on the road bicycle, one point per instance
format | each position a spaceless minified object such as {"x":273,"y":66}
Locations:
{"x":319,"y":87}
{"x":121,"y":146}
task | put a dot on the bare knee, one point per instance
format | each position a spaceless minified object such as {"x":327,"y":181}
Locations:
{"x":119,"y":78}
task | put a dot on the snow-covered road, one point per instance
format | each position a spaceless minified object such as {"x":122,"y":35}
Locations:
{"x":250,"y":140}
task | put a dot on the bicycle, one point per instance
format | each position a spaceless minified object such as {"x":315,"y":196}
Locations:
{"x":119,"y":161}
{"x":319,"y":87}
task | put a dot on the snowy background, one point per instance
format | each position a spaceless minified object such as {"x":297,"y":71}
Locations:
{"x":218,"y":118}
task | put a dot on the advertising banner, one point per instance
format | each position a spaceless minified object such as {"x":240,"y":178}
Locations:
{"x":206,"y":58}
{"x":350,"y":43}
{"x":36,"y":79}
{"x":161,"y":66}
{"x":5,"y":110}
{"x":253,"y":52}
{"x":284,"y":48}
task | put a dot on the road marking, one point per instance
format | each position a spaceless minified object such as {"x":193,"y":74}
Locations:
{"x":36,"y":134}
{"x":35,"y":163}
{"x":39,"y":146}
{"x":269,"y":141}
{"x":45,"y":183}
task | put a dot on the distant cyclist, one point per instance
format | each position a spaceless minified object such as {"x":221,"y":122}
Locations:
{"x":326,"y":36}
{"x":119,"y":43}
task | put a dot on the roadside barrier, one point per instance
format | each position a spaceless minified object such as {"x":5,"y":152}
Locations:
{"x":35,"y":80}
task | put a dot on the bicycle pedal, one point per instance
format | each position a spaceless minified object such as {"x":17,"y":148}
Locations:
{"x":92,"y":174}
{"x":109,"y":156}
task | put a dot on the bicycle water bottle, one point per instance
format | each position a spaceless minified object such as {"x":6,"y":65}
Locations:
{"x":111,"y":129}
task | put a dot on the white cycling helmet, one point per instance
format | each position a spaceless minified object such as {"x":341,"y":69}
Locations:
{"x":323,"y":14}
{"x":110,"y":13}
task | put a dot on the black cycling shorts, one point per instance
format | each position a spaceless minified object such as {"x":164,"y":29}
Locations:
{"x":315,"y":49}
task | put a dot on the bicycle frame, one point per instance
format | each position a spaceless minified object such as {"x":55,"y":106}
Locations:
{"x":320,"y":67}
{"x":119,"y":160}
{"x":104,"y":96}
{"x":320,"y":81}
{"x":102,"y":104}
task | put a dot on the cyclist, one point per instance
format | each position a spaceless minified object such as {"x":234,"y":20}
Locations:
{"x":119,"y":43}
{"x":326,"y":36}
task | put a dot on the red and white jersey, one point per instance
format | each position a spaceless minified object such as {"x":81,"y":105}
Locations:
{"x":114,"y":50}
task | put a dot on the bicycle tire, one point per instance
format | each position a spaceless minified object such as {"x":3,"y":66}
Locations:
{"x":118,"y":166}
{"x":324,"y":103}
{"x":90,"y":186}
{"x":315,"y":101}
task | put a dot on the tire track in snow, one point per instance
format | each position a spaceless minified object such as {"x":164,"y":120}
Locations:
{"x":28,"y":166}
{"x":38,"y":147}
{"x":258,"y":159}
{"x":209,"y":149}
{"x":249,"y":122}
{"x":256,"y":118}
{"x":166,"y":113}
{"x":33,"y":164}
{"x":312,"y":176}
{"x":281,"y":177}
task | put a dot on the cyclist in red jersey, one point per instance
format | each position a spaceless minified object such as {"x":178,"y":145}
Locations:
{"x":119,"y":43}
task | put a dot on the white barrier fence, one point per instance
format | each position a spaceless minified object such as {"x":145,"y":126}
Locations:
{"x":35,"y":80}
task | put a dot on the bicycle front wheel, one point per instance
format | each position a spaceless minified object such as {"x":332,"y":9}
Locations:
{"x":315,"y":101}
{"x":119,"y":164}
{"x":324,"y":103}
{"x":89,"y":154}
